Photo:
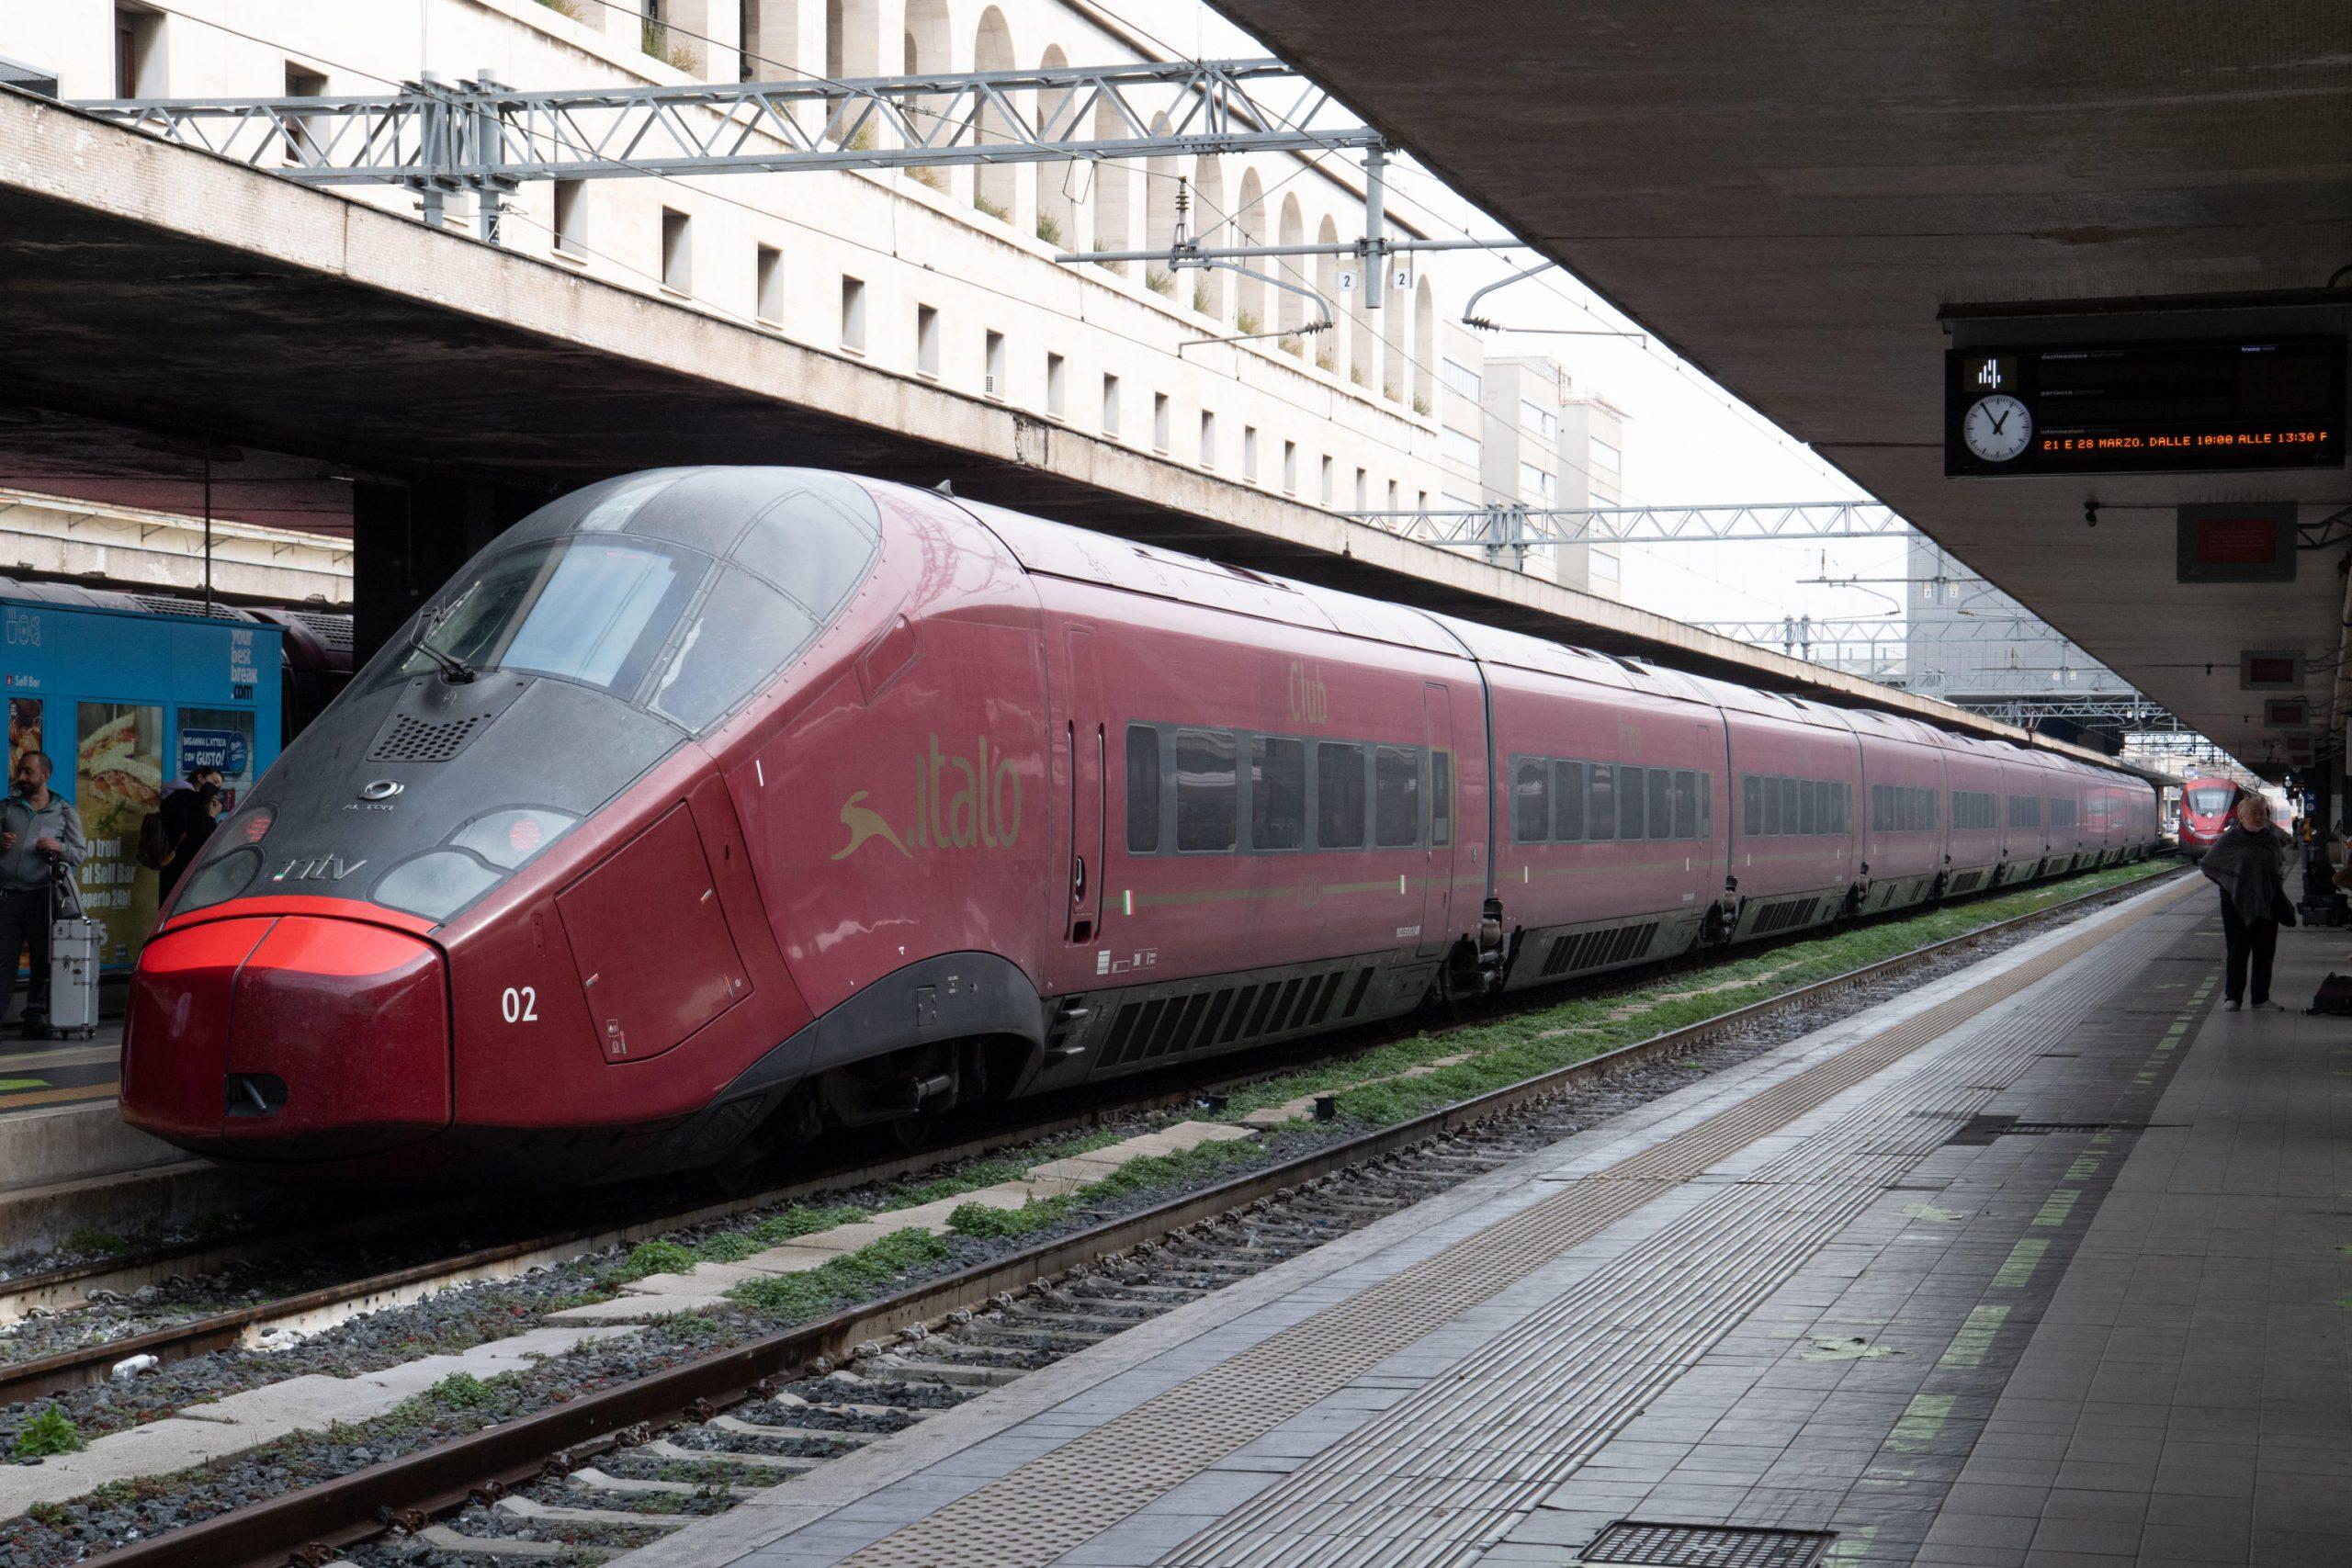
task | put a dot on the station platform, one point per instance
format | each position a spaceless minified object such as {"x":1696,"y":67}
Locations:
{"x":35,"y":1073}
{"x":2047,"y":1261}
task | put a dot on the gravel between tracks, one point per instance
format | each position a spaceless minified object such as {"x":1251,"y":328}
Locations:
{"x":474,"y":1314}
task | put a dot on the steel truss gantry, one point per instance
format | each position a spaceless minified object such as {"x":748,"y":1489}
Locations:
{"x":1519,"y":528}
{"x":479,"y":135}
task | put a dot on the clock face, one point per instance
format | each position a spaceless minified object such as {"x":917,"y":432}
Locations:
{"x":1997,"y":428}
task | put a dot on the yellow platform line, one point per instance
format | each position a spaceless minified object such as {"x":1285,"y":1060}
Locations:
{"x":111,"y":1090}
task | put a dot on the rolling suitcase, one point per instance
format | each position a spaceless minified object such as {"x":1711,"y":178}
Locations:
{"x":73,"y":973}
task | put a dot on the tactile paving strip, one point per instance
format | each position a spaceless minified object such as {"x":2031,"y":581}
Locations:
{"x":1058,"y":1501}
{"x":1428,"y":1483}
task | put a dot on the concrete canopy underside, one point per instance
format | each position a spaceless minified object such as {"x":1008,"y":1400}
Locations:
{"x":1789,"y":193}
{"x":146,"y":289}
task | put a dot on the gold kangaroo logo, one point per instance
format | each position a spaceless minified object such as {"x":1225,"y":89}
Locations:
{"x":863,"y":822}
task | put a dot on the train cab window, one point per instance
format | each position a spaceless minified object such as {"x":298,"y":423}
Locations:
{"x":1686,"y":804}
{"x":1277,"y":794}
{"x":1633,"y":820}
{"x":1338,"y":796}
{"x":2209,"y":801}
{"x":1567,"y":801}
{"x":1600,"y":803}
{"x":1661,"y":786}
{"x":1530,"y":802}
{"x":1397,"y":796}
{"x":1143,"y":789}
{"x":736,"y":639}
{"x":1440,"y":798}
{"x":1208,"y":792}
{"x":595,"y":611}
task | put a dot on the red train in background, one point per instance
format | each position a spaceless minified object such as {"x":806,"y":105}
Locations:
{"x":708,"y":807}
{"x":2206,"y":805}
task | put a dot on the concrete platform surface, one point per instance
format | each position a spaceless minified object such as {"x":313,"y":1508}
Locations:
{"x":2044,"y":1262}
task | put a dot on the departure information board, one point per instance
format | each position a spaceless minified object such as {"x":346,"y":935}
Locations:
{"x":2200,"y":405}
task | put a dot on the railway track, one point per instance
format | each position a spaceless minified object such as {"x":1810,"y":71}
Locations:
{"x":616,"y":1466}
{"x":311,"y":1309}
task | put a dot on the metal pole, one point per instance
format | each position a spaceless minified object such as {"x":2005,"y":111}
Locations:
{"x":1375,"y":224}
{"x":208,"y":527}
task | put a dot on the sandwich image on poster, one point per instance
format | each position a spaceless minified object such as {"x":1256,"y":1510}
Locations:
{"x":117,"y":780}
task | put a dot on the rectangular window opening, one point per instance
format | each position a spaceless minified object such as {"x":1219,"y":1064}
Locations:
{"x":1110,"y":405}
{"x":927,"y":342}
{"x":1208,"y":792}
{"x":572,"y":219}
{"x":1397,"y":796}
{"x":1277,"y":793}
{"x":992,"y":380}
{"x":677,"y":252}
{"x":1143,"y":789}
{"x":1056,"y":375}
{"x":1339,"y":795}
{"x":767,"y":276}
{"x":853,"y":314}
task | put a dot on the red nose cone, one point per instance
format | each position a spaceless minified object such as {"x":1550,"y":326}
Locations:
{"x":326,"y":1038}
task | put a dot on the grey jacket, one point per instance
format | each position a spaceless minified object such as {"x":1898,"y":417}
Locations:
{"x":24,"y":868}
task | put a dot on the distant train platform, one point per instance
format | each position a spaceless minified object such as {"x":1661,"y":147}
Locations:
{"x":2048,"y":1260}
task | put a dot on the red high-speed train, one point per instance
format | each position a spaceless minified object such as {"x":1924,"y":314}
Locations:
{"x":710,"y":806}
{"x":2206,"y":805}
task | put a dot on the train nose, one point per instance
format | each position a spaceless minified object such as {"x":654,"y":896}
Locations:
{"x":293,"y":1037}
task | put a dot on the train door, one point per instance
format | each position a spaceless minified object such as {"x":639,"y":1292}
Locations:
{"x":1084,"y":735}
{"x":1437,"y":885}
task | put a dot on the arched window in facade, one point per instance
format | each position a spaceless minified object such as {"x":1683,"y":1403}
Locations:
{"x":1291,"y":310}
{"x":1058,"y":184}
{"x":1424,"y":348}
{"x":1249,"y":228}
{"x":1209,"y":214}
{"x":1331,"y":347}
{"x":997,"y":190}
{"x":1115,"y":180}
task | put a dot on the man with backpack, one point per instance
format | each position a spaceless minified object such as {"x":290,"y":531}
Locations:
{"x":41,"y":843}
{"x":174,"y":833}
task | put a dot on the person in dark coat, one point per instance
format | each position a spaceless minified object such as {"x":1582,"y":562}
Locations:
{"x":189,"y":817}
{"x":2249,"y":862}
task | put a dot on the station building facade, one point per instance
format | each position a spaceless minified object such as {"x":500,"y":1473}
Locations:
{"x":941,"y":274}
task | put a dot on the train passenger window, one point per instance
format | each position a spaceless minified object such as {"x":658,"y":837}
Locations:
{"x":1143,"y":789}
{"x":1567,"y":801}
{"x":1751,"y":803}
{"x":1600,"y":804}
{"x":1440,"y":798}
{"x":1338,"y":796}
{"x":1813,"y":806}
{"x":1686,"y":804}
{"x":1397,"y":796}
{"x":1208,"y":792}
{"x":741,"y":633}
{"x":1633,"y":821}
{"x":1277,"y":793}
{"x":1706,"y":806}
{"x":1791,"y":813}
{"x":1530,"y":802}
{"x":1661,"y":803}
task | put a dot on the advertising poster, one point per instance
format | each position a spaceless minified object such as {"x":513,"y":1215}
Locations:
{"x":24,"y":729}
{"x":117,"y":780}
{"x":223,"y":738}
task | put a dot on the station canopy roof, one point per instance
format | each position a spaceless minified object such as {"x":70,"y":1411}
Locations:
{"x":1793,"y":196}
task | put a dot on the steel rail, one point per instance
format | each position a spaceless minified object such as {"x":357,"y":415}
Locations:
{"x":308,"y":1522}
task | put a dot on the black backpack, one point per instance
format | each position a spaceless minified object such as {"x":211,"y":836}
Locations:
{"x":2333,"y":996}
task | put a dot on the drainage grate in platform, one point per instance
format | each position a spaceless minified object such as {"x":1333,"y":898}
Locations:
{"x":1634,"y":1542}
{"x":1984,"y":1129}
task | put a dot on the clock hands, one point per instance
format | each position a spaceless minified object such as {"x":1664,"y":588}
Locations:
{"x":2000,"y":421}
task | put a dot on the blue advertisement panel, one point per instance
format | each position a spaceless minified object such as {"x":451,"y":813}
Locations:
{"x":123,"y":705}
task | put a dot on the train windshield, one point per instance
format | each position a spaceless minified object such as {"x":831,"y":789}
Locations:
{"x":657,"y":625}
{"x":2206,"y":801}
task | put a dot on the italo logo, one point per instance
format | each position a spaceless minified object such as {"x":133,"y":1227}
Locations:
{"x":961,"y":803}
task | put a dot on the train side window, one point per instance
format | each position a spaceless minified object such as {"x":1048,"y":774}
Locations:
{"x":1338,"y":796}
{"x":1661,"y":803}
{"x":1791,"y":811}
{"x":1397,"y":796}
{"x":1440,"y":798}
{"x":1686,"y":804}
{"x":1567,"y":801}
{"x":1600,"y":804}
{"x":1208,"y":790}
{"x":1530,"y":802}
{"x":1706,"y":806}
{"x":1633,"y":821}
{"x":1751,"y":804}
{"x":1277,"y":793}
{"x":1143,"y":789}
{"x":1812,"y":804}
